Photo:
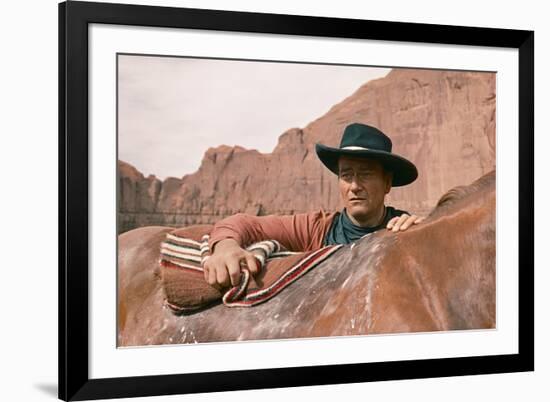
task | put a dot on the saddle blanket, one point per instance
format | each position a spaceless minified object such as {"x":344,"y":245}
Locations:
{"x":184,"y":252}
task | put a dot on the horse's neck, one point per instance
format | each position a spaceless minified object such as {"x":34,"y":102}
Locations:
{"x":453,"y":260}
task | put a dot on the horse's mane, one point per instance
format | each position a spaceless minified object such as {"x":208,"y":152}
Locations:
{"x":458,"y":193}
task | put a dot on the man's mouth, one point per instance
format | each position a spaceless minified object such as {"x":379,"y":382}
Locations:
{"x":357,"y":199}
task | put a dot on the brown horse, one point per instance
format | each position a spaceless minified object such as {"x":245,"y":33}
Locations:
{"x":436,"y":276}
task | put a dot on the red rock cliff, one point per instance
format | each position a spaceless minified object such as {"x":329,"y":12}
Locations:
{"x":443,"y":121}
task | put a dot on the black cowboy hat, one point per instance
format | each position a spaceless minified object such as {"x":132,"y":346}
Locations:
{"x":362,"y":141}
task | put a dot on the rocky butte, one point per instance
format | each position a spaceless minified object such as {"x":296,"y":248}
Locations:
{"x":443,"y":121}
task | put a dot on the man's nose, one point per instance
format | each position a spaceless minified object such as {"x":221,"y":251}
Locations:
{"x":354,"y":185}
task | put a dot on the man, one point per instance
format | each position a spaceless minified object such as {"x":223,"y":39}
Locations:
{"x":366,"y":170}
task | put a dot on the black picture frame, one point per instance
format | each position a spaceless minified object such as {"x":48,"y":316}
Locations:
{"x":74,"y":18}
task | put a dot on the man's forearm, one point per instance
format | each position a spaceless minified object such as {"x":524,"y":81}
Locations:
{"x":300,"y":232}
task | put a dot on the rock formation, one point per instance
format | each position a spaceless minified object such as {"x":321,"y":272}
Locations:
{"x":443,"y":121}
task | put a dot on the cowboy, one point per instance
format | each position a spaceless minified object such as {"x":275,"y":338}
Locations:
{"x":366,"y":170}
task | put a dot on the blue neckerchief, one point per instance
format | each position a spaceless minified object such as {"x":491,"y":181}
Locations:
{"x":344,"y":231}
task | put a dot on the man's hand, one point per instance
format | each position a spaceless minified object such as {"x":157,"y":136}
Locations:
{"x":403,"y":222}
{"x":223,"y":268}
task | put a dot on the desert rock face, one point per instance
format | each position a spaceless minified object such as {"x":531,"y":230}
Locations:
{"x":443,"y":121}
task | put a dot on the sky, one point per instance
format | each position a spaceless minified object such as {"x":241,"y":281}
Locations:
{"x":172,"y":109}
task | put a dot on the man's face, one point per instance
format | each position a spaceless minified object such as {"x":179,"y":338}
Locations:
{"x":363,"y":186}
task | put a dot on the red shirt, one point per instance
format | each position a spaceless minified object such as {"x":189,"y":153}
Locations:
{"x":300,"y":232}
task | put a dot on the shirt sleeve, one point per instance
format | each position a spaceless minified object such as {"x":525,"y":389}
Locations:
{"x":300,"y":232}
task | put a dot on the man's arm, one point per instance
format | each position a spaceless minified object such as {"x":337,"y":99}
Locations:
{"x":292,"y":231}
{"x":229,"y":237}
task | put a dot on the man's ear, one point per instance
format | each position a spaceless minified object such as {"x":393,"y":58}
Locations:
{"x":389,"y":179}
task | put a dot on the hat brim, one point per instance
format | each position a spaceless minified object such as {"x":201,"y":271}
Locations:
{"x":404,"y":172}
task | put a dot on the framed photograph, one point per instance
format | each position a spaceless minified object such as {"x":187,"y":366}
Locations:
{"x":371,"y":183}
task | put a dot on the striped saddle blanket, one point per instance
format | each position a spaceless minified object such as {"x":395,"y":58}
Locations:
{"x":184,"y":252}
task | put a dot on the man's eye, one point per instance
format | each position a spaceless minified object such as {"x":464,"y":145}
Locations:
{"x":363,"y":175}
{"x":346,"y":176}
